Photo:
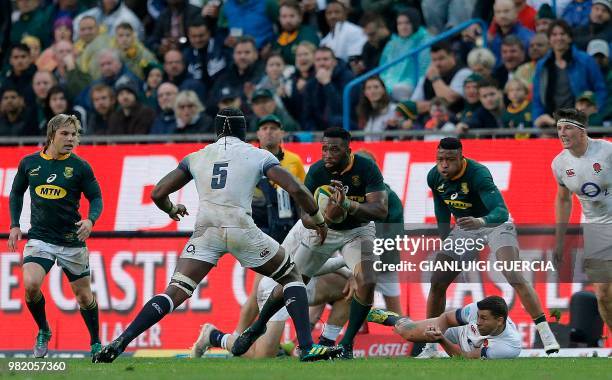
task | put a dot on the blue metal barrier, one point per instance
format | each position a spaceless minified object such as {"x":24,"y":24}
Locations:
{"x":346,"y":112}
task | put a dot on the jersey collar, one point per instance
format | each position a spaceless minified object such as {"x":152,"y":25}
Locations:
{"x":48,"y":157}
{"x":350,"y":164}
{"x":462,"y":171}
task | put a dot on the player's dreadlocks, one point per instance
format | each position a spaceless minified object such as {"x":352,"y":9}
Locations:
{"x":230,"y":122}
{"x":59,"y":121}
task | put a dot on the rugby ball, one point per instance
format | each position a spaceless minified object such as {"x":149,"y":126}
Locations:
{"x":333,"y":213}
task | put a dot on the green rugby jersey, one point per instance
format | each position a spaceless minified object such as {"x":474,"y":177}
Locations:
{"x":55,"y":190}
{"x":361,"y":176}
{"x":470,"y":193}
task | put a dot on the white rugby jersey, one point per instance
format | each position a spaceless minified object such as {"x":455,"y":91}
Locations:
{"x":225,"y":174}
{"x":590,"y":178}
{"x":503,"y":346}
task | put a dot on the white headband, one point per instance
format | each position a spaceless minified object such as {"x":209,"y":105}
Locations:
{"x":571,"y":122}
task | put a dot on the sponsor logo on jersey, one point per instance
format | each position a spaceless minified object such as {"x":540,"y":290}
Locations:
{"x":570,"y":172}
{"x":590,"y":189}
{"x":454,"y":196}
{"x":68,"y":172}
{"x":51,"y":178}
{"x":597,"y":167}
{"x":50,"y":191}
{"x":440,"y":189}
{"x":458,"y":204}
{"x":464,"y":188}
{"x":356,"y":180}
{"x":34,"y":171}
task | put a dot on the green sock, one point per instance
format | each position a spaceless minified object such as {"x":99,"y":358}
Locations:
{"x":90,"y":316}
{"x":357,"y":315}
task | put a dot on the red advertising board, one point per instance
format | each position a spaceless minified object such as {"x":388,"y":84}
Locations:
{"x":127,"y":272}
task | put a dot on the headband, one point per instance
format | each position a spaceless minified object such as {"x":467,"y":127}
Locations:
{"x":572,"y":122}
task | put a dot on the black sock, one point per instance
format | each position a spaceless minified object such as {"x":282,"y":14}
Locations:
{"x":37,"y":309}
{"x":357,"y":316}
{"x":90,"y":316}
{"x":215,"y":338}
{"x":151,"y":313}
{"x":392,"y":320}
{"x":271,"y":307}
{"x":296,"y":302}
{"x":540,"y":319}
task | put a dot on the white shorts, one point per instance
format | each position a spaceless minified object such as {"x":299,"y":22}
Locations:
{"x":597,"y":241}
{"x":497,"y":237}
{"x":250,"y":246}
{"x":266,"y":285}
{"x":73,"y":260}
{"x":311,"y":255}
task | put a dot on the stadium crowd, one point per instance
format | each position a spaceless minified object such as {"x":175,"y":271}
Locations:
{"x":166,"y":67}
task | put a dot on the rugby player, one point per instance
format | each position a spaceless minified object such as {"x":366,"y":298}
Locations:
{"x":57,"y":177}
{"x":226,"y":173}
{"x":584,"y":168}
{"x":359,"y":190}
{"x":464,"y":188}
{"x":478,"y":330}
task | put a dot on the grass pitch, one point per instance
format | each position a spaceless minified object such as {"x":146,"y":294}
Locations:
{"x":358,"y":369}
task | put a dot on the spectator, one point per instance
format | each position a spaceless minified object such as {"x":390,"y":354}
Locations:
{"x":275,"y":79}
{"x":21,"y":72}
{"x":57,"y":102}
{"x":513,"y":55}
{"x":204,"y":56}
{"x":41,"y":84}
{"x":378,"y":35}
{"x":322,"y":99}
{"x":34,"y":20}
{"x":586,"y":103}
{"x":245,"y":71}
{"x":445,"y":14}
{"x":444,"y":78}
{"x":304,"y":65}
{"x":562,"y":74}
{"x":62,"y":31}
{"x":88,"y":31}
{"x":154,"y":75}
{"x":375,"y":108}
{"x":111,"y":68}
{"x":104,"y":101}
{"x":472,"y":99}
{"x":231,"y":97}
{"x":263,"y":104}
{"x":132,"y":52}
{"x":66,"y":70}
{"x":482,"y":62}
{"x":490,"y":114}
{"x":132,"y":118}
{"x":190,"y":116}
{"x":387,"y":9}
{"x":400,"y":79}
{"x":15,"y":120}
{"x":292,"y":31}
{"x":506,"y":23}
{"x":171,"y":27}
{"x":526,"y":14}
{"x":576,"y":13}
{"x":251,"y":18}
{"x":405,"y":116}
{"x":439,"y":121}
{"x":544,"y":18}
{"x":599,"y":25}
{"x":50,"y":58}
{"x":176,"y":72}
{"x":518,"y":113}
{"x":600,"y":51}
{"x":109,"y":14}
{"x":165,"y":121}
{"x":34,"y":44}
{"x":345,"y":39}
{"x":538,"y":47}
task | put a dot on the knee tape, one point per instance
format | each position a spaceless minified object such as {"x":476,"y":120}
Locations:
{"x":183,"y":282}
{"x":284,"y":269}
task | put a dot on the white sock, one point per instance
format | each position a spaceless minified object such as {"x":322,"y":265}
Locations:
{"x":431,"y":346}
{"x":331,"y":332}
{"x":224,"y":341}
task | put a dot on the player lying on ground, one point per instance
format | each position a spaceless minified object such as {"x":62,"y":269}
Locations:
{"x":225,"y":174}
{"x":465,"y":189}
{"x":584,"y":168}
{"x":359,"y":198}
{"x":478,"y":330}
{"x":57,"y":177}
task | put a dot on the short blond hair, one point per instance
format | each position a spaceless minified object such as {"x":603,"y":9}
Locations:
{"x":59,"y":121}
{"x":188,"y":96}
{"x":518,"y":82}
